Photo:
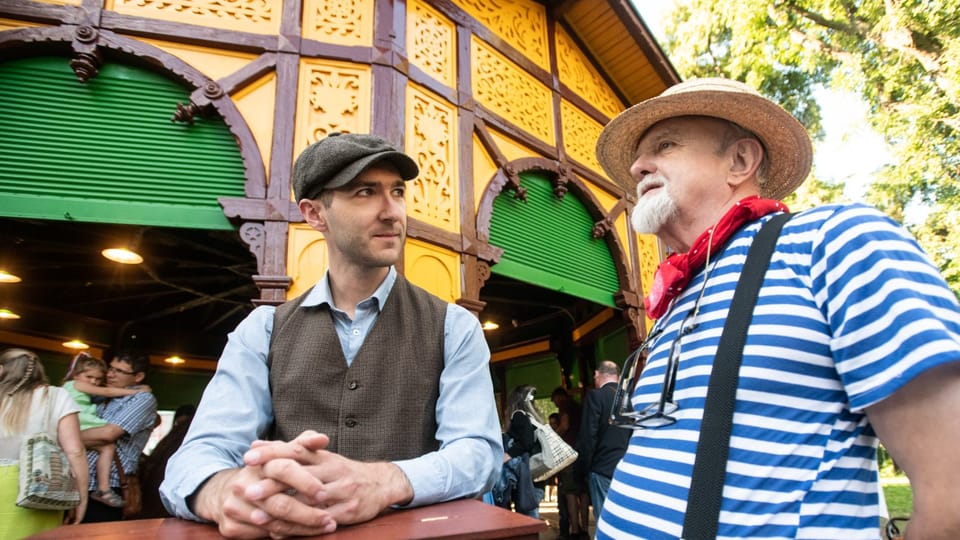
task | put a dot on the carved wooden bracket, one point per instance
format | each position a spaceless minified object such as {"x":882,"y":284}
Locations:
{"x":254,"y":236}
{"x":605,"y":225}
{"x":201,"y":103}
{"x":483,"y":273}
{"x":561,"y":181}
{"x":513,"y":183}
{"x":602,"y":227}
{"x":86,"y":59}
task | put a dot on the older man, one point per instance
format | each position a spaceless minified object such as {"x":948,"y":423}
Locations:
{"x":375,"y":392}
{"x":855,"y":335}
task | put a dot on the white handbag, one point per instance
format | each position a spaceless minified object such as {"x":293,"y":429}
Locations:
{"x":554,"y":456}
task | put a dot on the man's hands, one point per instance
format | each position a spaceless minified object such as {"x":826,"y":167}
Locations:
{"x":299,"y":488}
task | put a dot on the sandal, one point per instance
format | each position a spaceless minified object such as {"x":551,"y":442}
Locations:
{"x":108,"y":497}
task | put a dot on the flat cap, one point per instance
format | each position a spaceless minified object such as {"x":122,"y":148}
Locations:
{"x":338,"y":158}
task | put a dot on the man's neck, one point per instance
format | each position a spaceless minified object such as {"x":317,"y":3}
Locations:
{"x":349,"y":288}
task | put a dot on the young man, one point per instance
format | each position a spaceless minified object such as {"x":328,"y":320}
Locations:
{"x":855,"y":334}
{"x":130,"y":421}
{"x":374,"y":392}
{"x":600,"y":445}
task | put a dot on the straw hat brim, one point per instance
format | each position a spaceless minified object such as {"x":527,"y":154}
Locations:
{"x":788,"y":146}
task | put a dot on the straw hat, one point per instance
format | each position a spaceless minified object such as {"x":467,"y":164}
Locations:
{"x":785,"y":140}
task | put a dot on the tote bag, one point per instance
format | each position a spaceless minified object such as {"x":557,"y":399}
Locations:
{"x":554,"y":456}
{"x":46,"y":481}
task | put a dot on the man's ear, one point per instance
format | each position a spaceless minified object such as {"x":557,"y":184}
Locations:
{"x":139,"y":376}
{"x":746,"y":156}
{"x":313,"y":213}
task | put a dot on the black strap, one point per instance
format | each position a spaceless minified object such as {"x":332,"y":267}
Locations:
{"x":710,"y":467}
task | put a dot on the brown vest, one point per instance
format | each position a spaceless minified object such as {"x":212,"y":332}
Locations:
{"x":381,"y":407}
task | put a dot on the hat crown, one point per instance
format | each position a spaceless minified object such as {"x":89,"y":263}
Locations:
{"x":711,"y":84}
{"x":338,"y":158}
{"x":786,"y":143}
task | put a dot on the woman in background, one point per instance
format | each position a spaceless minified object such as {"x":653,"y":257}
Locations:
{"x":519,"y":443}
{"x":28,"y":405}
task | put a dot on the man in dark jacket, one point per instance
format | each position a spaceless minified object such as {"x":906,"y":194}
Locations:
{"x":600,"y":444}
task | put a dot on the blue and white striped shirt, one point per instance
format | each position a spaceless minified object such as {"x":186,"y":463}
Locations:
{"x":850,"y":310}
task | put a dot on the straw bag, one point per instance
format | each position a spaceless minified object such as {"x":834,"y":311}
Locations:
{"x":46,"y":481}
{"x":554,"y":456}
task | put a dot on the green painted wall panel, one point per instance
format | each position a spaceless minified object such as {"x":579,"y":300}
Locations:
{"x":547,"y":242}
{"x":107,"y":150}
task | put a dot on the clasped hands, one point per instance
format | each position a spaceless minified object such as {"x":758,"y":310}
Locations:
{"x":299,"y":488}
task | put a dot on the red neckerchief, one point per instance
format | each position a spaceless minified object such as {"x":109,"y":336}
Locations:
{"x":674,"y":273}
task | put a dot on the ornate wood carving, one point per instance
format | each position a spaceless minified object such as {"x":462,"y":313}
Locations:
{"x":346,"y":22}
{"x":432,"y":140}
{"x":253,"y":235}
{"x":246,"y":15}
{"x":521,"y":23}
{"x":86,"y":59}
{"x":580,"y":134}
{"x":501,"y":86}
{"x":576,"y":71}
{"x":513,"y":183}
{"x":431,"y":41}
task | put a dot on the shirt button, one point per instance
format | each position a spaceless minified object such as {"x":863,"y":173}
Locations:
{"x":351,"y":423}
{"x":356,"y":332}
{"x":353,"y":385}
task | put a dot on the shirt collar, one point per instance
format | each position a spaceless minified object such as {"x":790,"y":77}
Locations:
{"x":320,"y":294}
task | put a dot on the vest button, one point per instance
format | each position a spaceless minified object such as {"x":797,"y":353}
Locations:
{"x":351,"y":423}
{"x":353,"y":385}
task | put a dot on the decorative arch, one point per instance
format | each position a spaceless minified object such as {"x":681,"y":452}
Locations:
{"x":264,"y":212}
{"x":89,"y":47}
{"x":508,"y":178}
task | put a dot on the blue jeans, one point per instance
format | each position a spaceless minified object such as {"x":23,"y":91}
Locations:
{"x":599,"y":485}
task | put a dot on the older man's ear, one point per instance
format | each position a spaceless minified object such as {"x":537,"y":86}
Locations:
{"x":746,"y":155}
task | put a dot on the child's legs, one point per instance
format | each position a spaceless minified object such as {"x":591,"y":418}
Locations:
{"x":103,"y":465}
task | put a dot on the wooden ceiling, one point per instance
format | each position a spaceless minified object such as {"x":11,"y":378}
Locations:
{"x":616,"y":36}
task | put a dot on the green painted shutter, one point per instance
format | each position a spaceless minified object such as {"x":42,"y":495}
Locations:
{"x":547,"y":242}
{"x":107,"y":150}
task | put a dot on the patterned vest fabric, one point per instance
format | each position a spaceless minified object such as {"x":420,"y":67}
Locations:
{"x":381,"y":407}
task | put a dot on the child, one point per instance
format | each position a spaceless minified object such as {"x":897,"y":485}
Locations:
{"x":84,"y":380}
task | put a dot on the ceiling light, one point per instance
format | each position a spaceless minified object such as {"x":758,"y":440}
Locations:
{"x":122,"y":255}
{"x":490,"y":325}
{"x":75,"y":344}
{"x":176,"y":360}
{"x":7,"y":277}
{"x":7,"y":314}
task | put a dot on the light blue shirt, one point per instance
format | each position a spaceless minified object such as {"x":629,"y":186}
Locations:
{"x":236,"y":408}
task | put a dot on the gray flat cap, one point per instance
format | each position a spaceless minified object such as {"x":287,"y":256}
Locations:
{"x":337,"y":159}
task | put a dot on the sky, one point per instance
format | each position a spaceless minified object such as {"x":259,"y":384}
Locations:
{"x":851,"y":151}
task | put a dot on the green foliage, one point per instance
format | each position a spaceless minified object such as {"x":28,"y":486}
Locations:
{"x":899,"y":499}
{"x":901,"y":58}
{"x":814,"y":192}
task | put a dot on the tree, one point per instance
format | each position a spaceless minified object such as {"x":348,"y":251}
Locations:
{"x":901,"y":57}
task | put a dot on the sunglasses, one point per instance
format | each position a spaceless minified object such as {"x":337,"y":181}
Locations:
{"x":659,"y":413}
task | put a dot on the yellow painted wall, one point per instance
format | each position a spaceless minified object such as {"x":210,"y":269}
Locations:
{"x":435,"y":269}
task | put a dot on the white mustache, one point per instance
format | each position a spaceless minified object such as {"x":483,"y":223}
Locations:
{"x":649,"y":182}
